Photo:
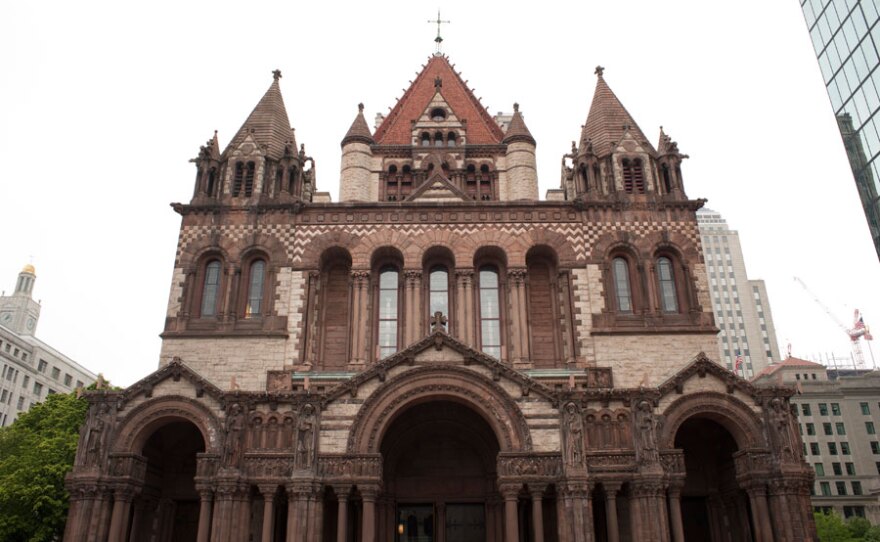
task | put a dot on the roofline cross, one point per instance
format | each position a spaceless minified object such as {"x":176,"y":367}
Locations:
{"x":438,"y":39}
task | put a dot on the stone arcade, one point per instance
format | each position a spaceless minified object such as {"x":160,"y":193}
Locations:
{"x":441,"y":356}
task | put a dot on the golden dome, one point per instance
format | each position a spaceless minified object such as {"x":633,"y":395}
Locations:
{"x":29,"y":269}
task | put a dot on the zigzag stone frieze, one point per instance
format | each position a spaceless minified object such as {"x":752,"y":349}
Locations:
{"x":295,"y":239}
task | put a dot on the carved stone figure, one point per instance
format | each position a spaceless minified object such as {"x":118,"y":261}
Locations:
{"x":234,"y":432}
{"x":575,"y":437}
{"x":305,"y":431}
{"x":780,"y":428}
{"x":646,"y":425}
{"x":97,"y":434}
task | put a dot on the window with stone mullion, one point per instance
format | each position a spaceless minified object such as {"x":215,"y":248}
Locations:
{"x":388,"y":311}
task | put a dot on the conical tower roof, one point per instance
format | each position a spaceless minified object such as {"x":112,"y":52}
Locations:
{"x":359,"y":130}
{"x":517,"y":129}
{"x":608,"y":120}
{"x":268,"y":123}
{"x":438,"y":73}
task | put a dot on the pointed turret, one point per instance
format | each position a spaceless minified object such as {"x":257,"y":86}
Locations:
{"x":517,"y":130}
{"x":268,"y":124}
{"x":359,"y":130}
{"x":608,"y":121}
{"x":357,"y":157}
{"x":522,"y":170}
{"x":669,"y":166}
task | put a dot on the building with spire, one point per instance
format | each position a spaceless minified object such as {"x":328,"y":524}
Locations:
{"x":30,"y":369}
{"x":440,"y":355}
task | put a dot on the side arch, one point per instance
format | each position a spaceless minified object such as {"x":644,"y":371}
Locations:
{"x":424,"y":384}
{"x":728,"y":411}
{"x":134,"y":430}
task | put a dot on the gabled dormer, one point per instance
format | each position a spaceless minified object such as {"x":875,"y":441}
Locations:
{"x":260,"y":164}
{"x":438,"y":126}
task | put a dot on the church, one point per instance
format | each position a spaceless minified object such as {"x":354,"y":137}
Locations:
{"x":440,"y":356}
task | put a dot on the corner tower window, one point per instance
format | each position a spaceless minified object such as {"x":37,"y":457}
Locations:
{"x":622,"y":290}
{"x":256,"y":280}
{"x":210,"y":289}
{"x":666,"y":278}
{"x":388,"y":284}
{"x":633,"y":176}
{"x":490,"y":312}
{"x":249,"y":180}
{"x":238,"y":179}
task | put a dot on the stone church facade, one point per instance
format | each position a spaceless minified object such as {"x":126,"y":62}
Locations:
{"x":440,"y":356}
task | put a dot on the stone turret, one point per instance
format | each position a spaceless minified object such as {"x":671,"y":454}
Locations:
{"x":354,"y":180}
{"x":522,"y":171}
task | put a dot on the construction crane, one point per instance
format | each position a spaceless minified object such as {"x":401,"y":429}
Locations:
{"x":855,"y":333}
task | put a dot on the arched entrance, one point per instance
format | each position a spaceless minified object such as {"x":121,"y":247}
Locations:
{"x":713,"y":506}
{"x":439,"y":465}
{"x":167,"y":509}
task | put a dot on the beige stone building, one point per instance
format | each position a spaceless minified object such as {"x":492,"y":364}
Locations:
{"x":30,"y":369}
{"x":838,"y":415}
{"x":441,"y":355}
{"x":741,"y":306}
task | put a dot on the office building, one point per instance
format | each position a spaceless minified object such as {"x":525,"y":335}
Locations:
{"x":846,"y":38}
{"x":30,"y":369}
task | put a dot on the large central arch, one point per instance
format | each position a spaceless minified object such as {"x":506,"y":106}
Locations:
{"x":424,"y":384}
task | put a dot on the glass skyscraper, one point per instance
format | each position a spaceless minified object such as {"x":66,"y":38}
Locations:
{"x":846,"y":36}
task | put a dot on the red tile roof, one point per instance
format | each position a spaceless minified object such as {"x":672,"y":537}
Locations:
{"x":787,"y":364}
{"x":396,"y":129}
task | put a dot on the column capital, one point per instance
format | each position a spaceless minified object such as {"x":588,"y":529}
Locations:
{"x":509,"y":491}
{"x":267,"y":490}
{"x":537,"y":490}
{"x":611,"y":489}
{"x":369,"y":492}
{"x":342,"y":491}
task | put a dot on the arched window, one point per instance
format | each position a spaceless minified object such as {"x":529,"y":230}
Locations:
{"x":388,"y":307}
{"x":584,"y":176}
{"x":470,"y":178}
{"x":391,"y":184}
{"x":622,"y":288}
{"x":292,"y":177}
{"x":249,"y":179}
{"x":633,"y":176}
{"x":490,"y":311}
{"x":256,"y":279}
{"x":485,"y":183}
{"x":426,"y":139}
{"x":438,"y":292}
{"x":667,"y":181}
{"x":335,"y":307}
{"x":438,"y":114}
{"x":238,"y":179}
{"x":279,"y":179}
{"x":438,"y":139}
{"x":212,"y":180}
{"x":210,"y":289}
{"x":543,"y":306}
{"x":406,"y":182}
{"x":450,"y":139}
{"x":666,"y":281}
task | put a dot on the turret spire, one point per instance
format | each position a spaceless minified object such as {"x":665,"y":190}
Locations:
{"x":359,"y":130}
{"x":609,"y":120}
{"x":268,"y":123}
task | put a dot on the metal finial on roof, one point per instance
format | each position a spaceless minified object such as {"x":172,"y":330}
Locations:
{"x":599,"y":71}
{"x":438,"y":40}
{"x":515,"y":107}
{"x":361,"y":107}
{"x":276,"y":74}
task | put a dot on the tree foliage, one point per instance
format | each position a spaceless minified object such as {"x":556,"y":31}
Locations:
{"x":36,"y":452}
{"x":832,"y":528}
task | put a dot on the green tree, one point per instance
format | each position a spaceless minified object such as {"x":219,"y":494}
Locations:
{"x":858,"y":527}
{"x":831,"y":528}
{"x":36,"y":452}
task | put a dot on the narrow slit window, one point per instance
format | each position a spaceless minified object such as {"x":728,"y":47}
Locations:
{"x":255,"y":288}
{"x":668,"y":298}
{"x":490,"y":312}
{"x":622,"y":290}
{"x":210,"y":289}
{"x":388,"y":284}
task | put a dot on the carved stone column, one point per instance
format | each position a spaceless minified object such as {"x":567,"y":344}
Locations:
{"x":537,"y":493}
{"x":649,"y":508}
{"x":464,"y":300}
{"x":222,"y":515}
{"x":519,"y":340}
{"x":675,"y":513}
{"x":359,"y":315}
{"x":368,"y":526}
{"x":510,"y":493}
{"x":413,"y":329}
{"x":760,"y":511}
{"x":316,"y":515}
{"x":122,"y":499}
{"x":268,"y":493}
{"x":611,"y":490}
{"x":74,"y":515}
{"x":342,"y":514}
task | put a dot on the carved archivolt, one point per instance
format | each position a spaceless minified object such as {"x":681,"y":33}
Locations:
{"x":142,"y":421}
{"x":424,"y":384}
{"x":731,"y":413}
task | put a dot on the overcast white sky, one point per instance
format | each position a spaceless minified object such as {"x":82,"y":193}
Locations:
{"x":102,"y":104}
